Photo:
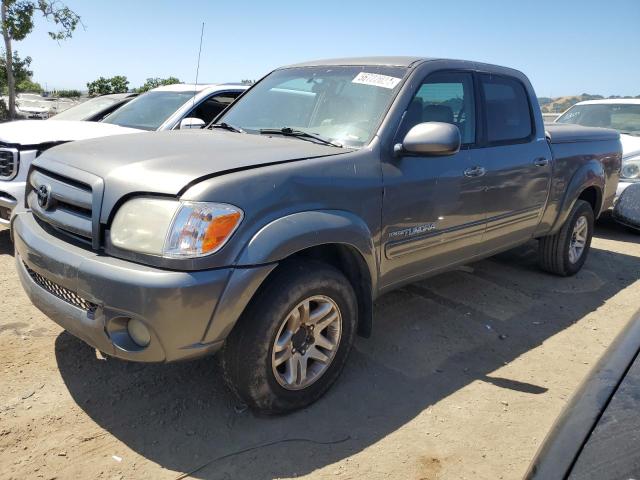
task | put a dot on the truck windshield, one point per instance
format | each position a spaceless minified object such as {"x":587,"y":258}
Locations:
{"x":343,"y":104}
{"x":87,"y":109}
{"x":622,"y":117}
{"x":149,"y":111}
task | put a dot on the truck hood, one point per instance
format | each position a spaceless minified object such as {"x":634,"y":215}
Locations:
{"x":166,"y":162}
{"x":630,"y":145}
{"x":37,"y":132}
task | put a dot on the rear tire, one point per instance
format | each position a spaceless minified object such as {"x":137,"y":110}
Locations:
{"x":293,"y":340}
{"x":565,"y":252}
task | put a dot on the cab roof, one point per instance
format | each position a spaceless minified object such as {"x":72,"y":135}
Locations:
{"x":396,"y":61}
{"x":408,"y":62}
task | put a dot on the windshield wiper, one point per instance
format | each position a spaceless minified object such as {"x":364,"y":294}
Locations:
{"x":227,"y":126}
{"x":290,"y":132}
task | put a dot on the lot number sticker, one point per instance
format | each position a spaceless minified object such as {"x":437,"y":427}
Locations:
{"x":376,"y":80}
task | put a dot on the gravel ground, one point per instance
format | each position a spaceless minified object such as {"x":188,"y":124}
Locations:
{"x":464,"y":375}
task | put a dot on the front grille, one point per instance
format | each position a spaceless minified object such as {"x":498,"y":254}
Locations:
{"x":59,"y":291}
{"x":61,"y":202}
{"x":8,"y":163}
{"x":5,"y":214}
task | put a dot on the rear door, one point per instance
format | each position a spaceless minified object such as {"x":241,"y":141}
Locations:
{"x":517,"y":160}
{"x":433,"y":214}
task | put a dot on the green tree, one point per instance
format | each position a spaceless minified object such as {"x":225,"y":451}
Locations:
{"x":101,"y":86}
{"x":17,"y":22}
{"x":104,"y":86}
{"x":28,"y":86}
{"x":119,"y":84}
{"x":152,"y":83}
{"x":67,"y":93}
{"x":21,"y":68}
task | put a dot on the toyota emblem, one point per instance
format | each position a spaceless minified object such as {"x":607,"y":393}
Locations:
{"x":44,"y":196}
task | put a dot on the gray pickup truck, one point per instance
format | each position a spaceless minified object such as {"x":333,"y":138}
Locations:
{"x":269,"y":235}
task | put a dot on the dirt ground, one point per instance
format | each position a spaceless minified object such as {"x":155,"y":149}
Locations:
{"x":464,"y":375}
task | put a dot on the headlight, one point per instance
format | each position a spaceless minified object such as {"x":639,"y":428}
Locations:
{"x":172,"y":228}
{"x":630,"y":168}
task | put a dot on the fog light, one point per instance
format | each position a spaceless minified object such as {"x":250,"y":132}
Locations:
{"x":138,"y":332}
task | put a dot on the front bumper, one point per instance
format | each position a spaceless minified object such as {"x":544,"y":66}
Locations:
{"x":627,"y":207}
{"x":622,"y":186}
{"x":11,"y":196}
{"x":93,"y":296}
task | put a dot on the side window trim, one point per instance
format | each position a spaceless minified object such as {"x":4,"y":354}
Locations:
{"x":481,"y":123}
{"x":476,"y":103}
{"x":485,"y":143}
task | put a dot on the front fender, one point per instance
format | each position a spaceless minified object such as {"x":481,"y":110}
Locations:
{"x":280,"y":239}
{"x":296,"y":232}
{"x":591,"y":174}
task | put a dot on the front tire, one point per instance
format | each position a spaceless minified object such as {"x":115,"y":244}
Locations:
{"x":565,"y":252}
{"x":293,"y":340}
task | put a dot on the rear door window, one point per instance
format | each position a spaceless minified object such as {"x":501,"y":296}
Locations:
{"x":507,"y":110}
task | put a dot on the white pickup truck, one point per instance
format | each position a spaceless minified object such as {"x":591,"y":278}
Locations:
{"x":164,"y":108}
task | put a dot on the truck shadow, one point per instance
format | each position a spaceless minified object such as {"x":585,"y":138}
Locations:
{"x":428,"y":342}
{"x":6,"y":247}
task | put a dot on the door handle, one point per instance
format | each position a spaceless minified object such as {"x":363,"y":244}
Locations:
{"x":474,"y":172}
{"x":541,"y":162}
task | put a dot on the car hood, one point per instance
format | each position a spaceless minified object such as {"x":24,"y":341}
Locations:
{"x":630,"y":145}
{"x":36,"y":132}
{"x":167,"y":162}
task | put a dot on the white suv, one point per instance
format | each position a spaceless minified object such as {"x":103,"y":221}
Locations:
{"x":163,"y":108}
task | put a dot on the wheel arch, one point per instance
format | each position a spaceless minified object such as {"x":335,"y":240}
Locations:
{"x":348,"y":260}
{"x":336,"y":237}
{"x":593,"y":196}
{"x":586,"y":184}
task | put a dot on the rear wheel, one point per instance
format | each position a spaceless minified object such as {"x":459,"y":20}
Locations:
{"x":565,"y":252}
{"x":294,"y":338}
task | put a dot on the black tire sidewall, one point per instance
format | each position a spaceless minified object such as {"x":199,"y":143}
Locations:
{"x":581,"y":209}
{"x":295,"y":282}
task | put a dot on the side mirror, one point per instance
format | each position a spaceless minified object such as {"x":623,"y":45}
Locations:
{"x":430,"y":139}
{"x":191,"y":122}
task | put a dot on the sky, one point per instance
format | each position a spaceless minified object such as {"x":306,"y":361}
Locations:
{"x":565,"y":46}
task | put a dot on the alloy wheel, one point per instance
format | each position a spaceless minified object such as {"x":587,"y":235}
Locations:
{"x":578,"y":240}
{"x":306,"y":342}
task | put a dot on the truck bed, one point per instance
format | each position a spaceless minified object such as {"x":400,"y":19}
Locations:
{"x":558,"y":133}
{"x":574,"y":148}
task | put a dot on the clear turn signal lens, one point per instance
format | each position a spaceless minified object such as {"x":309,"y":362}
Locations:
{"x":201,"y":228}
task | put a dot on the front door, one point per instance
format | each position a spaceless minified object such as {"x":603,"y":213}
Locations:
{"x":433,"y":209}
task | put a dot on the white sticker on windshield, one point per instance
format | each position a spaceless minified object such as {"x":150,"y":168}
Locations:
{"x":376,"y":80}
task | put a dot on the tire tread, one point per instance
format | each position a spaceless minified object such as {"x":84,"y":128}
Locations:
{"x":552,"y":248}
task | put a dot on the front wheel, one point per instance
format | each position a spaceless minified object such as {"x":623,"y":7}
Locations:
{"x":294,"y":338}
{"x":565,"y":252}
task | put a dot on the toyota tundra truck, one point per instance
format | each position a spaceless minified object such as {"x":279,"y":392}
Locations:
{"x":267,"y":236}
